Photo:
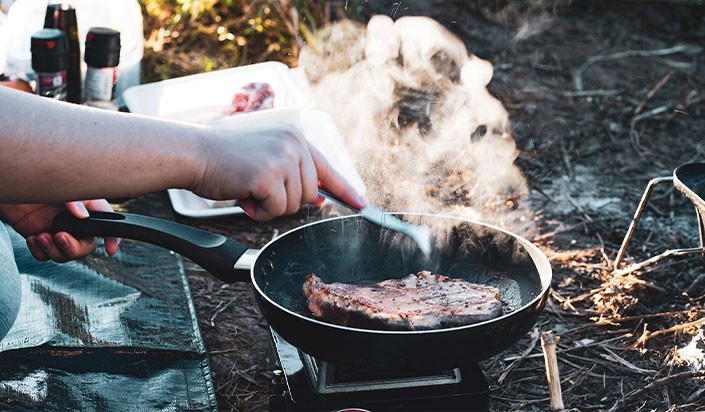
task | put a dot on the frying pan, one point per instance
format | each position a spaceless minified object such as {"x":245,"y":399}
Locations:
{"x":352,"y":250}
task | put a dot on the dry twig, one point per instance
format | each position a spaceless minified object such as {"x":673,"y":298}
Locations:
{"x":668,"y":380}
{"x":652,"y":92}
{"x":611,"y":356}
{"x":613,"y":320}
{"x":634,"y":135}
{"x":548,"y":343}
{"x":648,"y":335}
{"x":515,"y":363}
{"x":220,"y":309}
{"x":578,"y":73}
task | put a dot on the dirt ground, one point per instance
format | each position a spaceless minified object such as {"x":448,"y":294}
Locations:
{"x":603,"y":96}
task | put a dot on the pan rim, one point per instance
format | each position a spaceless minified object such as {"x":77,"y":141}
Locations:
{"x":537,"y":256}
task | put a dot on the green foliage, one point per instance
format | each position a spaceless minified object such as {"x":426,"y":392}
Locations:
{"x":225,"y":33}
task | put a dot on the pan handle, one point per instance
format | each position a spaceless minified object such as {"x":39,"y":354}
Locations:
{"x":213,"y":252}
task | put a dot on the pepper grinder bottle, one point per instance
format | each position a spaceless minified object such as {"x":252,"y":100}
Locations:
{"x":102,"y":57}
{"x":50,"y":59}
{"x":62,"y":16}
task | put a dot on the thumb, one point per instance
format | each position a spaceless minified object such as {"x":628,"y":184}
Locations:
{"x":78,"y":209}
{"x":334,"y":182}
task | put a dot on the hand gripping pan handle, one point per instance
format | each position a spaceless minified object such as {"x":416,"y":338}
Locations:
{"x":217,"y":254}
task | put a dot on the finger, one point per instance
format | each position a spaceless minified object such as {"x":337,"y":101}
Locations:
{"x":293,"y":195}
{"x":295,"y":180}
{"x":65,"y":247}
{"x":78,"y":209}
{"x":320,"y":200}
{"x":71,"y":248}
{"x":249,"y":206}
{"x":334,"y":182}
{"x":35,"y":249}
{"x":273,"y":205}
{"x":48,"y":248}
{"x":110,"y":243}
{"x":98,"y":204}
{"x":309,"y":180}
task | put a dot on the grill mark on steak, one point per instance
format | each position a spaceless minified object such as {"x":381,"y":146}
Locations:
{"x":416,"y":302}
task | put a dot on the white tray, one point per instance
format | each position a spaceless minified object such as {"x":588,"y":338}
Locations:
{"x":188,"y":204}
{"x":201,"y":97}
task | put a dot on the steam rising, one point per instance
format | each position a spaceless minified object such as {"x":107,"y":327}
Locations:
{"x":423,"y":131}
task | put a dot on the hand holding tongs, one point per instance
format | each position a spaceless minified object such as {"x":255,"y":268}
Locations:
{"x":419,"y":233}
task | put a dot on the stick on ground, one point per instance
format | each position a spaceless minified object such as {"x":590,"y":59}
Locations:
{"x":548,"y":343}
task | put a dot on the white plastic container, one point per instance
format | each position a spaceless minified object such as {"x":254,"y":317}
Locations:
{"x":201,"y":98}
{"x":27,"y":16}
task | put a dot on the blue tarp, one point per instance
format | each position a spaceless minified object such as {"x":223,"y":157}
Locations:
{"x":106,"y":333}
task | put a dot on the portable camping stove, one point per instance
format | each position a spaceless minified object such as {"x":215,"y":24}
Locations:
{"x":303,"y":383}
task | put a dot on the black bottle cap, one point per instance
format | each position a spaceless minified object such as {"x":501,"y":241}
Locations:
{"x":49,"y":51}
{"x":102,"y":47}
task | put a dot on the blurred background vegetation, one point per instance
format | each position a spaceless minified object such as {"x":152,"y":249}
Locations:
{"x":192,"y":36}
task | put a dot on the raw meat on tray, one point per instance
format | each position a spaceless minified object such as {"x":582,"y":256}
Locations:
{"x":250,"y":98}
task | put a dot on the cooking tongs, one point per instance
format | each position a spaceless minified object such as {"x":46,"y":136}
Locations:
{"x":419,"y":233}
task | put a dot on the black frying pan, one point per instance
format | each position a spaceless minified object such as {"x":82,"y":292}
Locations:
{"x":351,"y":250}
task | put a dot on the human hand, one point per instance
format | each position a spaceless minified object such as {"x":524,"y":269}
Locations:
{"x":271,"y":171}
{"x":34,"y":222}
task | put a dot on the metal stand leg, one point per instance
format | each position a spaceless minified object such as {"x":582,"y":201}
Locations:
{"x":701,"y":227}
{"x":632,"y":227}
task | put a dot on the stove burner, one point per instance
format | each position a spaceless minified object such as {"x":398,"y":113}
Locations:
{"x":327,"y":378}
{"x":305,"y":383}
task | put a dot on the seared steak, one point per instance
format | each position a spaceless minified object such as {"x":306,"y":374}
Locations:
{"x":415,"y":302}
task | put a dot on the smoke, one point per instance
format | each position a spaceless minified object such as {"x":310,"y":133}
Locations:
{"x":423,"y":130}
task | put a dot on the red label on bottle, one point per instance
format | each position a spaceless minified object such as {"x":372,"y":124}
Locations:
{"x":52,"y":80}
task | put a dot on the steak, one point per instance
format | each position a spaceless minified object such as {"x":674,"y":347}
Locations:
{"x":415,"y":302}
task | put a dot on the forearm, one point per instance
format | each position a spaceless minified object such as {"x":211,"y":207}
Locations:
{"x":51,"y":152}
